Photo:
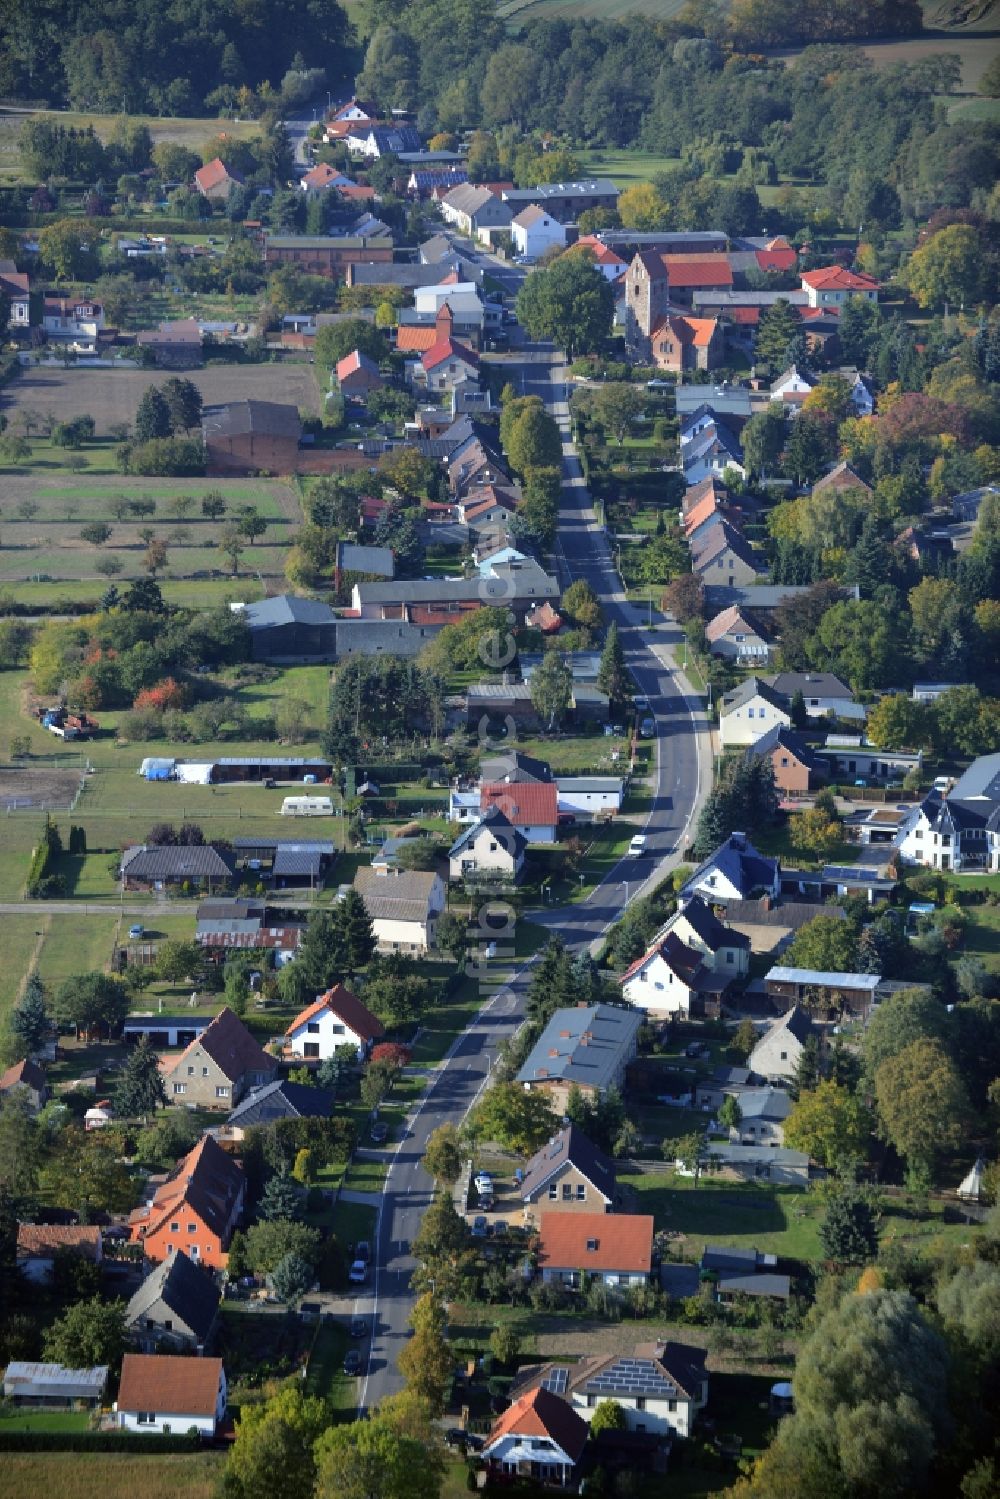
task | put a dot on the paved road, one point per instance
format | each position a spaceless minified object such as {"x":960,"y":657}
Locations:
{"x":683,"y":772}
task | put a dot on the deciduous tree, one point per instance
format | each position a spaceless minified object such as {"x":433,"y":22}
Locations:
{"x":921,"y":1101}
{"x":829,"y":1123}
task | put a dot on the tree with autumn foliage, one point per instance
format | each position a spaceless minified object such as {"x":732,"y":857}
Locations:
{"x":392,"y":1054}
{"x":163,"y":695}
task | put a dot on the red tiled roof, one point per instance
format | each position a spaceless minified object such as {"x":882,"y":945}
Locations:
{"x":696,"y":271}
{"x":52,"y":1238}
{"x":355,"y":192}
{"x":542,"y":1414}
{"x":169,"y":1384}
{"x":837,"y":278}
{"x":347,"y":1007}
{"x":523,"y":805}
{"x":321,"y":175}
{"x":25,"y":1073}
{"x":214,"y":173}
{"x":623,"y":1241}
{"x":416,"y":338}
{"x":448,"y":348}
{"x":777,"y":257}
{"x":543,"y":617}
{"x":694,"y":331}
{"x":703,"y":511}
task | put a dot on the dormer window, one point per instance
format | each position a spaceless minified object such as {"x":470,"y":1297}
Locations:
{"x":592,"y":1246}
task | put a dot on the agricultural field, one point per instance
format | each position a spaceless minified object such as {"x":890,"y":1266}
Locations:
{"x":65,"y":1475}
{"x":192,"y":133}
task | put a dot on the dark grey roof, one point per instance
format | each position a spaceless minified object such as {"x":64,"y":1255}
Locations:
{"x":810,"y":684}
{"x":521,"y":580}
{"x":408,"y":275}
{"x":745,"y":693}
{"x":236,"y":418}
{"x":727,"y":400}
{"x":729,"y":1257}
{"x":298,"y":862}
{"x":365,"y":559}
{"x":573,"y":1146}
{"x":322,"y":846}
{"x":287,"y":609}
{"x":981,"y":780}
{"x":493,"y":819}
{"x":780,"y":737}
{"x":741,"y":864}
{"x":187,"y":861}
{"x":583,"y":1045}
{"x":185,"y":1289}
{"x":786,"y":913}
{"x":283,"y":1100}
{"x":588,"y":187}
{"x":754,"y":595}
{"x":709,"y":928}
{"x":767,"y":1284}
{"x":516,"y":768}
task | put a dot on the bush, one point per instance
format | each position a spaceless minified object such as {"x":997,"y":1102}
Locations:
{"x":176,"y":457}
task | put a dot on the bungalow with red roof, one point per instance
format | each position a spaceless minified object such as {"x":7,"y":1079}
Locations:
{"x":532,"y":809}
{"x":777,"y":255}
{"x":608,"y":261}
{"x":834,"y":285}
{"x":171,"y":1393}
{"x":215,"y":180}
{"x":196,"y":1209}
{"x":336,"y":1018}
{"x":39,"y":1245}
{"x":540,"y":1438}
{"x":358,"y":375}
{"x":577,"y":1248}
{"x":324,"y":176}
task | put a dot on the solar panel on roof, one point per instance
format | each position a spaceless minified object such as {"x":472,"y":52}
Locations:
{"x":555,"y":1381}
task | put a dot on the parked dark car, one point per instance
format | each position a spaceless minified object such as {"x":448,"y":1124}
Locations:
{"x":352,"y":1362}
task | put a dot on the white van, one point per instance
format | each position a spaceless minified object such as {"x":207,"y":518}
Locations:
{"x":307,"y":806}
{"x":638,"y":844}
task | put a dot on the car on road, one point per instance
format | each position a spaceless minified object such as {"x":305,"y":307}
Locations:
{"x":352,"y":1362}
{"x":358,"y":1273}
{"x":359,"y":1327}
{"x":647,"y":728}
{"x":363,"y":1250}
{"x":379,"y":1133}
{"x":638,"y":844}
{"x":480,"y":1227}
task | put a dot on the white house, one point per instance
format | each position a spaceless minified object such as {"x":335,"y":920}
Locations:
{"x":491,"y":848}
{"x":99,"y":1115}
{"x":589,"y":796}
{"x":663,"y":981}
{"x":750,"y":711}
{"x":171,"y":1394}
{"x":660,"y":1386}
{"x":721,"y":949}
{"x":475,"y":211}
{"x":735,"y":871}
{"x":779,"y":1051}
{"x":793,"y":385}
{"x":75,"y":322}
{"x":862,"y":396}
{"x":575,"y":1249}
{"x":337,"y":1018}
{"x":539,"y":1437}
{"x":737,"y":635}
{"x":692,"y":959}
{"x":834,"y":285}
{"x":16,"y":285}
{"x":533,"y":231}
{"x":404,"y":905}
{"x":763,"y":1112}
{"x":445,"y":365}
{"x":959,"y":834}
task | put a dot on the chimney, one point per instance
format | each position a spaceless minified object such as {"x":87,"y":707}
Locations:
{"x":444,"y":322}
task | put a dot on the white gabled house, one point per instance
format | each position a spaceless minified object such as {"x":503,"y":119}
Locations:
{"x":492,"y":848}
{"x":660,"y":1386}
{"x":336,"y":1018}
{"x":748,"y":712}
{"x":171,"y":1394}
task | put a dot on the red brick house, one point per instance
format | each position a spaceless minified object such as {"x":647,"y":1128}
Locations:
{"x":357,"y":375}
{"x":687,"y":343}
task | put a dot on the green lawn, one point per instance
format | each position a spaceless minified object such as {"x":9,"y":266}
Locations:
{"x":776,"y":1220}
{"x":21,"y":943}
{"x":352,"y":1222}
{"x":325,"y":1376}
{"x":112,"y":1475}
{"x":366,"y":1176}
{"x":75,"y":944}
{"x":13,"y":1420}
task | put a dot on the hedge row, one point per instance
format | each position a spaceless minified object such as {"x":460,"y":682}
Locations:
{"x":96,"y":1441}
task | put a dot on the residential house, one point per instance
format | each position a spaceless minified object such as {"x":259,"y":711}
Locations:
{"x":714,"y":505}
{"x":384,"y":140}
{"x":732,"y":873}
{"x":769,"y":924}
{"x":158,"y":866}
{"x":218,"y":1067}
{"x":710,"y":1092}
{"x":763,"y":1112}
{"x":565,"y":201}
{"x":171,"y":1394}
{"x":588,"y":798}
{"x":575,"y":1249}
{"x":358,"y":376}
{"x":53,"y":1386}
{"x":797,"y":769}
{"x":862,"y":396}
{"x":195,"y":1210}
{"x":837,"y":992}
{"x":331,"y":256}
{"x":846,"y":756}
{"x":476,"y":212}
{"x":824,"y":694}
{"x":215,"y":180}
{"x":534,"y":231}
{"x":278,"y":1100}
{"x":568,"y":1175}
{"x":589,"y":1046}
{"x":660,"y":1386}
{"x":792,"y":386}
{"x":174,"y":345}
{"x":336,"y":1018}
{"x":539,"y":1439}
{"x":834,"y":286}
{"x":751,"y":710}
{"x":683,"y":342}
{"x":446,"y":364}
{"x":15,"y":286}
{"x":722,"y":949}
{"x":320,"y":178}
{"x":76,"y":323}
{"x":175,"y":1309}
{"x":713,"y":450}
{"x":532,"y":809}
{"x":841,"y":478}
{"x":404,"y":906}
{"x":779,"y":1051}
{"x":284,"y":863}
{"x":27,"y":1079}
{"x":517,"y":586}
{"x":251,"y":437}
{"x":491,"y":849}
{"x":39,"y":1245}
{"x":99,"y":1115}
{"x":721,"y":555}
{"x":671,"y":979}
{"x":737,"y":635}
{"x":761,"y":1163}
{"x":610,"y":264}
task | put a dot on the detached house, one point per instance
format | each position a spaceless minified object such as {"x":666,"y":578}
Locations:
{"x":736,"y":634}
{"x":358,"y":376}
{"x":28,"y":1080}
{"x":822,"y":692}
{"x":475,"y":211}
{"x":796,"y":767}
{"x":160,"y":865}
{"x":538,"y":1438}
{"x":576,"y":1248}
{"x":842,"y":477}
{"x":171,"y":1395}
{"x":833,"y":286}
{"x":219,"y":1066}
{"x":690,"y":965}
{"x":216,"y":180}
{"x":337,"y":1018}
{"x":39,"y":1245}
{"x":734,"y":872}
{"x":589,"y":1046}
{"x":491,"y":848}
{"x":175,"y":1308}
{"x":531,"y":809}
{"x":722,"y":556}
{"x":195,"y":1210}
{"x":534,"y":231}
{"x":568,"y":1175}
{"x":660,"y":1386}
{"x":751,"y":710}
{"x":15,"y":286}
{"x":446,"y":364}
{"x":404,"y":906}
{"x":779,"y":1051}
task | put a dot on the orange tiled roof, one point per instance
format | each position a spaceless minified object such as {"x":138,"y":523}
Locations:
{"x":838,"y":278}
{"x":347,"y":1007}
{"x":543,"y":1414}
{"x":624,"y":1241}
{"x":692,"y":271}
{"x":169,"y":1384}
{"x":51,"y":1238}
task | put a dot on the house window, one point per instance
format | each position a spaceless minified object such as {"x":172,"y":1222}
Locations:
{"x":567,"y":1192}
{"x":180,"y":1087}
{"x":313,"y":1028}
{"x":222,"y":1092}
{"x":581,"y":1192}
{"x":640,"y":1402}
{"x":553,"y":1193}
{"x":204,"y":1072}
{"x":175,"y":1228}
{"x":671,"y":1405}
{"x":190,"y":1072}
{"x":145,"y":1418}
{"x":729,"y":956}
{"x":338,"y":1030}
{"x":784,"y":1056}
{"x":591,"y":1401}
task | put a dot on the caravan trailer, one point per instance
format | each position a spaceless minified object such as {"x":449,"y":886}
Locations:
{"x":307,"y":806}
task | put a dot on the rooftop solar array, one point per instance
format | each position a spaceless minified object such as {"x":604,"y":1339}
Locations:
{"x":632,"y":1376}
{"x":555,"y":1380}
